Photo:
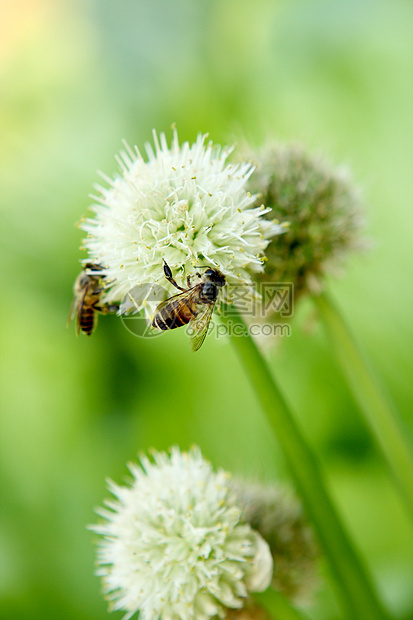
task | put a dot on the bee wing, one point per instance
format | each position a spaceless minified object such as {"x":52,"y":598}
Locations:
{"x":76,"y":307}
{"x":181,"y":298}
{"x":73,"y":309}
{"x":181,"y":304}
{"x":198,"y":326}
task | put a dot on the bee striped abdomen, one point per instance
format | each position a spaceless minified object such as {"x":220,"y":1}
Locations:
{"x":87,"y":321}
{"x":174,"y":314}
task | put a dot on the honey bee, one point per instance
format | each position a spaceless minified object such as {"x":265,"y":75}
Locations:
{"x":193,"y":305}
{"x":86,"y":301}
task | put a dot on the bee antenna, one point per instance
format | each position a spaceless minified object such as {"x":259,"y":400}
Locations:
{"x":202,"y":267}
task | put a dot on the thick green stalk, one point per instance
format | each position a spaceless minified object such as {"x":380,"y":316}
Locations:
{"x":352,"y":582}
{"x":379,"y":412}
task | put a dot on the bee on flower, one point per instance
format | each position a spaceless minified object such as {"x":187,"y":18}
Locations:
{"x":183,"y":205}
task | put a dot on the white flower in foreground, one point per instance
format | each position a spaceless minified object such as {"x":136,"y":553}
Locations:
{"x":174,"y":545}
{"x":186,"y":205}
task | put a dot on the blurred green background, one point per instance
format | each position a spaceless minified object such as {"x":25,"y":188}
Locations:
{"x":75,"y":78}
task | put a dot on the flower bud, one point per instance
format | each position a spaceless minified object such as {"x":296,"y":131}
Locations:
{"x":322,"y":207}
{"x":279,"y":518}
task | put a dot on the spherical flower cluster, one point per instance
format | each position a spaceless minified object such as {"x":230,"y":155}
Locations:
{"x":184,"y":204}
{"x":175,"y":544}
{"x":322,"y":206}
{"x":279,"y":518}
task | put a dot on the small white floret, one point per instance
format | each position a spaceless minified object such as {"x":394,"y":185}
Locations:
{"x":184,"y":204}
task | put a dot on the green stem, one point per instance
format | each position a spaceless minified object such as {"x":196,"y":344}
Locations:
{"x":352,"y":582}
{"x":277,"y":605}
{"x":380,"y":413}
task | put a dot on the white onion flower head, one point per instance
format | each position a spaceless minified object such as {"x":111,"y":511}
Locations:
{"x":174,"y":544}
{"x":184,"y":204}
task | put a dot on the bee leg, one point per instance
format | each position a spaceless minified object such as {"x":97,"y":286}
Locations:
{"x":168,"y":275}
{"x":109,"y":308}
{"x":188,"y":281}
{"x":106,"y":308}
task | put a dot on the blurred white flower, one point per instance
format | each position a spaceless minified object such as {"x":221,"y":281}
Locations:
{"x":174,"y":544}
{"x":323,"y":206}
{"x":279,"y":517}
{"x":186,"y":205}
